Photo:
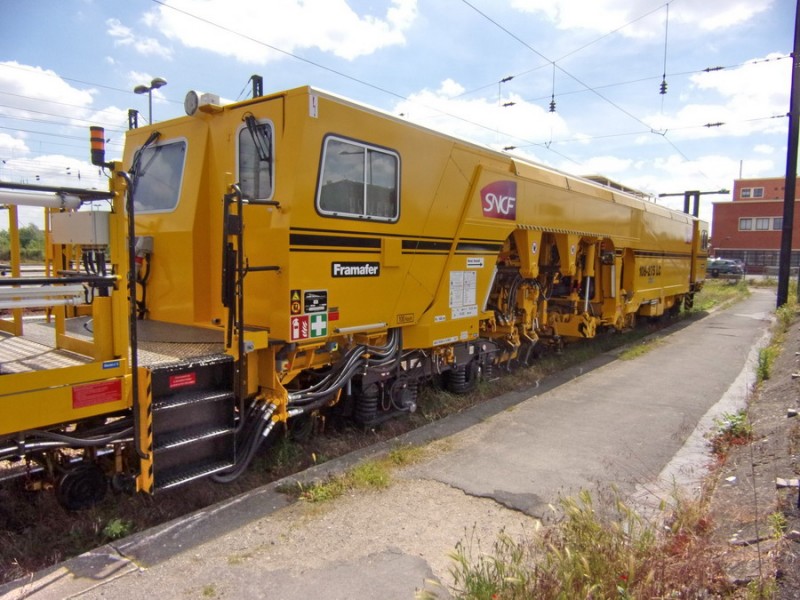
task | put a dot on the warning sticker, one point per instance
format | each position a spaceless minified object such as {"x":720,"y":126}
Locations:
{"x":299,"y":327}
{"x":294,"y":302}
{"x":182,"y":380}
{"x":463,"y":290}
{"x":463,"y":285}
{"x":96,"y":393}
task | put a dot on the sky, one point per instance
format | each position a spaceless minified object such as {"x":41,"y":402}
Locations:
{"x":485,"y":70}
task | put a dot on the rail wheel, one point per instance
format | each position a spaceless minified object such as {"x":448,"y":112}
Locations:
{"x":81,"y":487}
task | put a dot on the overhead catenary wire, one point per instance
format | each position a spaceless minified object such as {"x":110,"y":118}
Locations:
{"x":579,"y":81}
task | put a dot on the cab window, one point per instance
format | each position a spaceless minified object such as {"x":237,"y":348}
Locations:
{"x":358,"y":181}
{"x":255,"y":160}
{"x":158,"y":176}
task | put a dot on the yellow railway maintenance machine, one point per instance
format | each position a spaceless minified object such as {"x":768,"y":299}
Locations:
{"x":296,"y":255}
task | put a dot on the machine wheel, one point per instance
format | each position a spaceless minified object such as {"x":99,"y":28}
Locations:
{"x":81,"y":487}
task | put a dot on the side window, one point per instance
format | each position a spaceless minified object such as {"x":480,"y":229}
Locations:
{"x":358,"y":181}
{"x":255,"y":160}
{"x":704,"y":240}
{"x":158,"y":172}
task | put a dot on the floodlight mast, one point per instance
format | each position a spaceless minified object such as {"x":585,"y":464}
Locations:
{"x":156,"y":83}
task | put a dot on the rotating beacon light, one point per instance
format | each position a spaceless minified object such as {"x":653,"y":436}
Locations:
{"x":98,"y":146}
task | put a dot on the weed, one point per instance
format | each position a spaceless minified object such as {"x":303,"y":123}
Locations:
{"x":324,"y":491}
{"x":639,"y":349}
{"x":719,"y":293}
{"x":733,"y":429}
{"x":786,"y":314}
{"x":777,"y":524}
{"x":367,"y":475}
{"x":587,"y":555}
{"x":405,"y":455}
{"x":238,"y":559}
{"x":370,"y":474}
{"x":766,"y":358}
{"x":117,"y":528}
{"x":209,"y":591}
{"x":285,"y":452}
{"x":758,"y":589}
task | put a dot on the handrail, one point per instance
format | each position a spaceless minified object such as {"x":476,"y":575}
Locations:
{"x":95,"y":280}
{"x":82,"y":193}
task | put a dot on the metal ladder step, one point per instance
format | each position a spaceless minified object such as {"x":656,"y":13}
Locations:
{"x":176,"y":477}
{"x":190,"y":435}
{"x":186,"y":399}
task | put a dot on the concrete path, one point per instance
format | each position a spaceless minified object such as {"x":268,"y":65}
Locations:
{"x":636,"y":424}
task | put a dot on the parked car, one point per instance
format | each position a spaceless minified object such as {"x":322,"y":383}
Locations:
{"x":724,"y":267}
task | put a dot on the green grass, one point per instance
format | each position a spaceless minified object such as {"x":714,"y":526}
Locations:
{"x":639,"y":349}
{"x":369,"y":475}
{"x":719,"y":292}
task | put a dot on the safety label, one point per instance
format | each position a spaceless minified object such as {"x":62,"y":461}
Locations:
{"x":96,"y":393}
{"x":294,"y":302}
{"x":318,"y":325}
{"x":299,"y":327}
{"x":182,"y":380}
{"x":303,"y":327}
{"x":463,"y":292}
{"x":315,"y":301}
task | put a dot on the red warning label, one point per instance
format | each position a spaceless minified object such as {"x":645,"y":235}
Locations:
{"x":96,"y":393}
{"x":299,"y":327}
{"x":182,"y":380}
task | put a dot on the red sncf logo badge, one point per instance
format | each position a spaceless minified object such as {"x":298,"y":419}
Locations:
{"x":499,"y":200}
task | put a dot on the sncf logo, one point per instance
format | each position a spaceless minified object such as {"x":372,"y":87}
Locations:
{"x":499,"y":200}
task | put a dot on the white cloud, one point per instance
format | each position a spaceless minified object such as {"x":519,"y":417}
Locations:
{"x":604,"y":16}
{"x":11,"y":146}
{"x":33,"y":92}
{"x":146,"y":46}
{"x":245,"y":29}
{"x":764,"y":149}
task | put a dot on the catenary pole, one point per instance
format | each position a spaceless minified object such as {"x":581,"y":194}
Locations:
{"x":791,"y":170}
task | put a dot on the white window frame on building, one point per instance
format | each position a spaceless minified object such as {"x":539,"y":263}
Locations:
{"x":756,"y":192}
{"x":777,"y":223}
{"x":745,"y":224}
{"x":762,"y":223}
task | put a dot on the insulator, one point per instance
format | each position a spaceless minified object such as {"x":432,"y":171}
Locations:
{"x":553,"y":105}
{"x":663,"y":87}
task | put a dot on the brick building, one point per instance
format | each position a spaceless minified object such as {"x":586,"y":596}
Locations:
{"x":749,"y":228}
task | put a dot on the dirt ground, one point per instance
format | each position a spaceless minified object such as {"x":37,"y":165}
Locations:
{"x":756,"y":518}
